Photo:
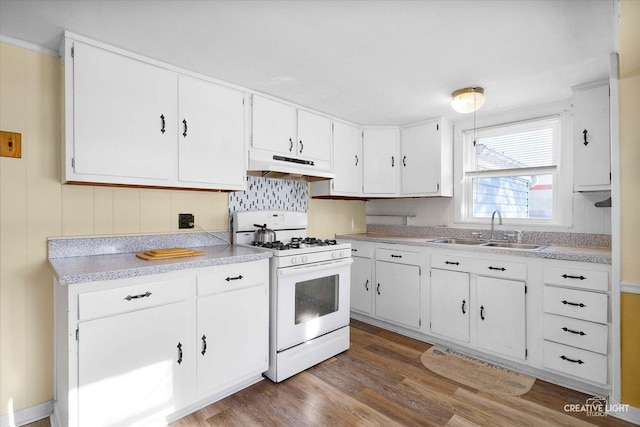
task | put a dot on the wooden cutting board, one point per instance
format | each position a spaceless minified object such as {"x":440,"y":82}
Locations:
{"x":168,"y":253}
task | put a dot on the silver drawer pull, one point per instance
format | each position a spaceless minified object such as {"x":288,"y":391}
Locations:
{"x":130,"y":297}
{"x":579,"y":362}
{"x":573,"y":332}
{"x":575,"y":304}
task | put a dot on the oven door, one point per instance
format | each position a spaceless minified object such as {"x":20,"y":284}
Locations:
{"x":311,"y":300}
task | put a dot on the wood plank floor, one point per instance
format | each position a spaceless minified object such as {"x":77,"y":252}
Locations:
{"x":380,"y":381}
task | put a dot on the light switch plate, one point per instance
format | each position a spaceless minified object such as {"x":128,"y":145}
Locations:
{"x":10,"y":144}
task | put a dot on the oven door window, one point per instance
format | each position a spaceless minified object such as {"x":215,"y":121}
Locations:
{"x":316,"y":298}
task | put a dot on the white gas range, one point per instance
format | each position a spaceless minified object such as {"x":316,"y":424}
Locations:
{"x":309,"y":292}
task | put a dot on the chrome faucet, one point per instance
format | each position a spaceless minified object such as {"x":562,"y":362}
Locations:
{"x":493,"y":217}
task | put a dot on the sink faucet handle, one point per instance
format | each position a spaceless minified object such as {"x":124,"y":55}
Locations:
{"x":517,"y":235}
{"x":477,"y":234}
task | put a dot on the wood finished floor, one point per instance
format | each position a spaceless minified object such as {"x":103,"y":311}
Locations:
{"x":380,"y":381}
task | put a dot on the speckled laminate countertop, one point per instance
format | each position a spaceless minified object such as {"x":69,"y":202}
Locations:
{"x":89,"y":259}
{"x":568,"y":253}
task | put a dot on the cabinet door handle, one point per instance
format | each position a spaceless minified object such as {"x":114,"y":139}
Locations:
{"x":396,"y":256}
{"x":366,"y":285}
{"x":378,"y":289}
{"x":234,"y":278}
{"x":204,"y":344}
{"x":463,"y":307}
{"x":579,"y":362}
{"x":584,"y":133}
{"x":357,"y":160}
{"x":452,"y":263}
{"x":404,"y":161}
{"x":497,"y":268}
{"x":575,"y":304}
{"x":163,"y":123}
{"x":179,"y":353}
{"x":482,"y":312}
{"x":393,"y":161}
{"x":567,"y":276}
{"x":354,"y":250}
{"x":184,"y":123}
{"x":145,"y":295}
{"x":574,"y":332}
{"x":301,"y":146}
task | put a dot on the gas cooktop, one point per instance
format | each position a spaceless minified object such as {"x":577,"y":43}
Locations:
{"x":295,"y":243}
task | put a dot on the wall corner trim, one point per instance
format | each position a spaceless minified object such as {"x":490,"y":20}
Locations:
{"x":27,"y":415}
{"x":631,"y":414}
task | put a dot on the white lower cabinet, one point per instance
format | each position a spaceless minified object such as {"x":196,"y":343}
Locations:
{"x":501,"y":316}
{"x":153,"y":348}
{"x":449,"y":304}
{"x":361,"y":285}
{"x":398,"y":293}
{"x":133,"y":367}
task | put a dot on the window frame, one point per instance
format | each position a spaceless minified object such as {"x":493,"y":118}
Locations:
{"x":562,"y":176}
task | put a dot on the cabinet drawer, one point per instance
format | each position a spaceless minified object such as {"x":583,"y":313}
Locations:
{"x":576,"y":333}
{"x":130,"y":298}
{"x":362,"y":250}
{"x":573,"y":303}
{"x":451,"y":262}
{"x":233,"y":276}
{"x":577,"y":278}
{"x":498,"y":268}
{"x":399,"y":257}
{"x":574,"y":361}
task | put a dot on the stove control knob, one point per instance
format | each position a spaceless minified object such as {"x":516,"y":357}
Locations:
{"x":334,"y":255}
{"x":341,"y":254}
{"x":294,"y":260}
{"x":304,"y":259}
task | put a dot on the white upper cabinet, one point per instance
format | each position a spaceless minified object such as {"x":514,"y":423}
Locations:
{"x":381,"y":161}
{"x":282,"y":128}
{"x":274,"y":126}
{"x":123,"y":111}
{"x":211,"y":131}
{"x":427,"y":159}
{"x":126,"y":121}
{"x":592,"y":138}
{"x":314,"y":136}
{"x":347,"y":164}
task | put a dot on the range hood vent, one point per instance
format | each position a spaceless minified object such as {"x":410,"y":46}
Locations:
{"x":269,"y":165}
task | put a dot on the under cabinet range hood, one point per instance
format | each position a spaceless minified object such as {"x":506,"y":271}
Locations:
{"x":273,"y":165}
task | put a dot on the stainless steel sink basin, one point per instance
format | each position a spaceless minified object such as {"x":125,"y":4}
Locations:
{"x":525,"y":246}
{"x":460,"y":241}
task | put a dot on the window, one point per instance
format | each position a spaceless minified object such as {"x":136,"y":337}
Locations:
{"x":512,"y":168}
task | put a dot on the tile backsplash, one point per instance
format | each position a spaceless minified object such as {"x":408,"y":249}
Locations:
{"x":270,"y":194}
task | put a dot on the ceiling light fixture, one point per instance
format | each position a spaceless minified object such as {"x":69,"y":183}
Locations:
{"x":467,"y":100}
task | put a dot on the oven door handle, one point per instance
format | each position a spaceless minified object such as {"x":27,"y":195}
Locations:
{"x":291,"y":271}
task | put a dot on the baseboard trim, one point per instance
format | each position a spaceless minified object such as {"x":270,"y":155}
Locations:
{"x":626,"y":413}
{"x":27,"y":415}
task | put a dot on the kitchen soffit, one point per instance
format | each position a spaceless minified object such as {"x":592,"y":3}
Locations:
{"x":369,"y":62}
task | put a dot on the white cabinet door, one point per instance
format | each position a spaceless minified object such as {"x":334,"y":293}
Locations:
{"x":501,"y":316}
{"x":347,"y":159}
{"x":233,"y":337}
{"x":274,"y":126}
{"x":211,"y":134}
{"x":361,"y":286}
{"x":125,"y":115}
{"x":314,"y":136}
{"x":133,"y":367}
{"x":420,"y":172}
{"x":397,"y":295}
{"x":592,"y":149}
{"x":450,"y":304}
{"x":381,"y":163}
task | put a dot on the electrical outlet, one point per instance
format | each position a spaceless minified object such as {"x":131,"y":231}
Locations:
{"x":186,"y":221}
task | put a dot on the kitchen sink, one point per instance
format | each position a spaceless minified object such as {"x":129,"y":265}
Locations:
{"x":460,"y":241}
{"x":507,"y":245}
